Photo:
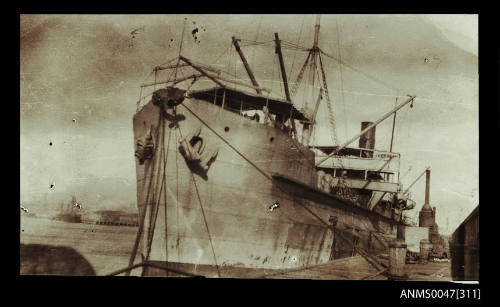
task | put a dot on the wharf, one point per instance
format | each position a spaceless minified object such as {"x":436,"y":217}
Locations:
{"x":351,"y":268}
{"x":358,"y":268}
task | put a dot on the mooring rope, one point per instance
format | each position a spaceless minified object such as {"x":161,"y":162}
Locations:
{"x":177,"y":196}
{"x":156,"y":202}
{"x":203,"y":213}
{"x":143,"y":213}
{"x":165,"y":160}
{"x":150,"y":264}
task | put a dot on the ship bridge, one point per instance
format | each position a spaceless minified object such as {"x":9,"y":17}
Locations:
{"x":360,"y":168}
{"x":238,"y":100}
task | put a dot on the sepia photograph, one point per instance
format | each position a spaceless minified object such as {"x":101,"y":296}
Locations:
{"x":264,"y":146}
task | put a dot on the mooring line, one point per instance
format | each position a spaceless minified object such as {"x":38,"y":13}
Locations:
{"x":203,"y":213}
{"x":156,"y":202}
{"x":142,"y":215}
{"x":227,"y":143}
{"x":165,"y":160}
{"x":177,"y":195}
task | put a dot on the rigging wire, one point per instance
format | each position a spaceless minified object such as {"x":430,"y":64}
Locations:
{"x":329,"y":104}
{"x":400,"y":127}
{"x":156,"y":198}
{"x":165,"y":160}
{"x":167,"y":62}
{"x":272,"y":74}
{"x":177,"y":195}
{"x":180,"y":47}
{"x":203,"y":212}
{"x":297,"y":47}
{"x":295,"y":53}
{"x":341,"y":77}
{"x":408,"y":133}
{"x":307,"y":87}
{"x":369,"y":76}
{"x":270,"y":44}
{"x":256,"y":37}
{"x":142,"y":215}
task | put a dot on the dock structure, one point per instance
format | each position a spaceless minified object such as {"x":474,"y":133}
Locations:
{"x":111,"y":217}
{"x":351,"y":268}
{"x":358,"y":268}
{"x":464,"y":247}
{"x":388,"y":265}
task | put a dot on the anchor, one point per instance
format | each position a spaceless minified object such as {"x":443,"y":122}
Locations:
{"x":192,"y":148}
{"x":144,"y":147}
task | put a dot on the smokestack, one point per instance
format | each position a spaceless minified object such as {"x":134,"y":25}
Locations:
{"x":426,"y":215}
{"x":367,"y":140}
{"x":427,"y":184}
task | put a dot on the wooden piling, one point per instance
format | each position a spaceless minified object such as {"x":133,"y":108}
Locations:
{"x":397,"y":259}
{"x":425,"y":248}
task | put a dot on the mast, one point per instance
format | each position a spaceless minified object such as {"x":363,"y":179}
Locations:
{"x":315,"y":51}
{"x":316,"y":31}
{"x":180,"y":49}
{"x":285,"y":81}
{"x":247,"y":67}
{"x":282,"y":66}
{"x":306,"y":128}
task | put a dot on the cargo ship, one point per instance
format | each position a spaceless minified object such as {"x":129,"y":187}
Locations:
{"x":70,"y":212}
{"x":229,"y":183}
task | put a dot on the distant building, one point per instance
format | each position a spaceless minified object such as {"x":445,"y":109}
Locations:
{"x":112,"y":217}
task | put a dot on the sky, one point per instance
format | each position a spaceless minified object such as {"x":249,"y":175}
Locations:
{"x":80,"y":77}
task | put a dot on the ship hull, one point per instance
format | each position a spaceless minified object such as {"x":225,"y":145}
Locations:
{"x":255,"y":209}
{"x":68,"y":217}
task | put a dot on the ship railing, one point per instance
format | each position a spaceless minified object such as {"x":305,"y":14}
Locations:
{"x":380,"y":161}
{"x":357,"y":152}
{"x":366,"y":184}
{"x":361,"y":168}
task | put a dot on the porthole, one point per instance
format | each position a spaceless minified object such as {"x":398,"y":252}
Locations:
{"x":226,"y":129}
